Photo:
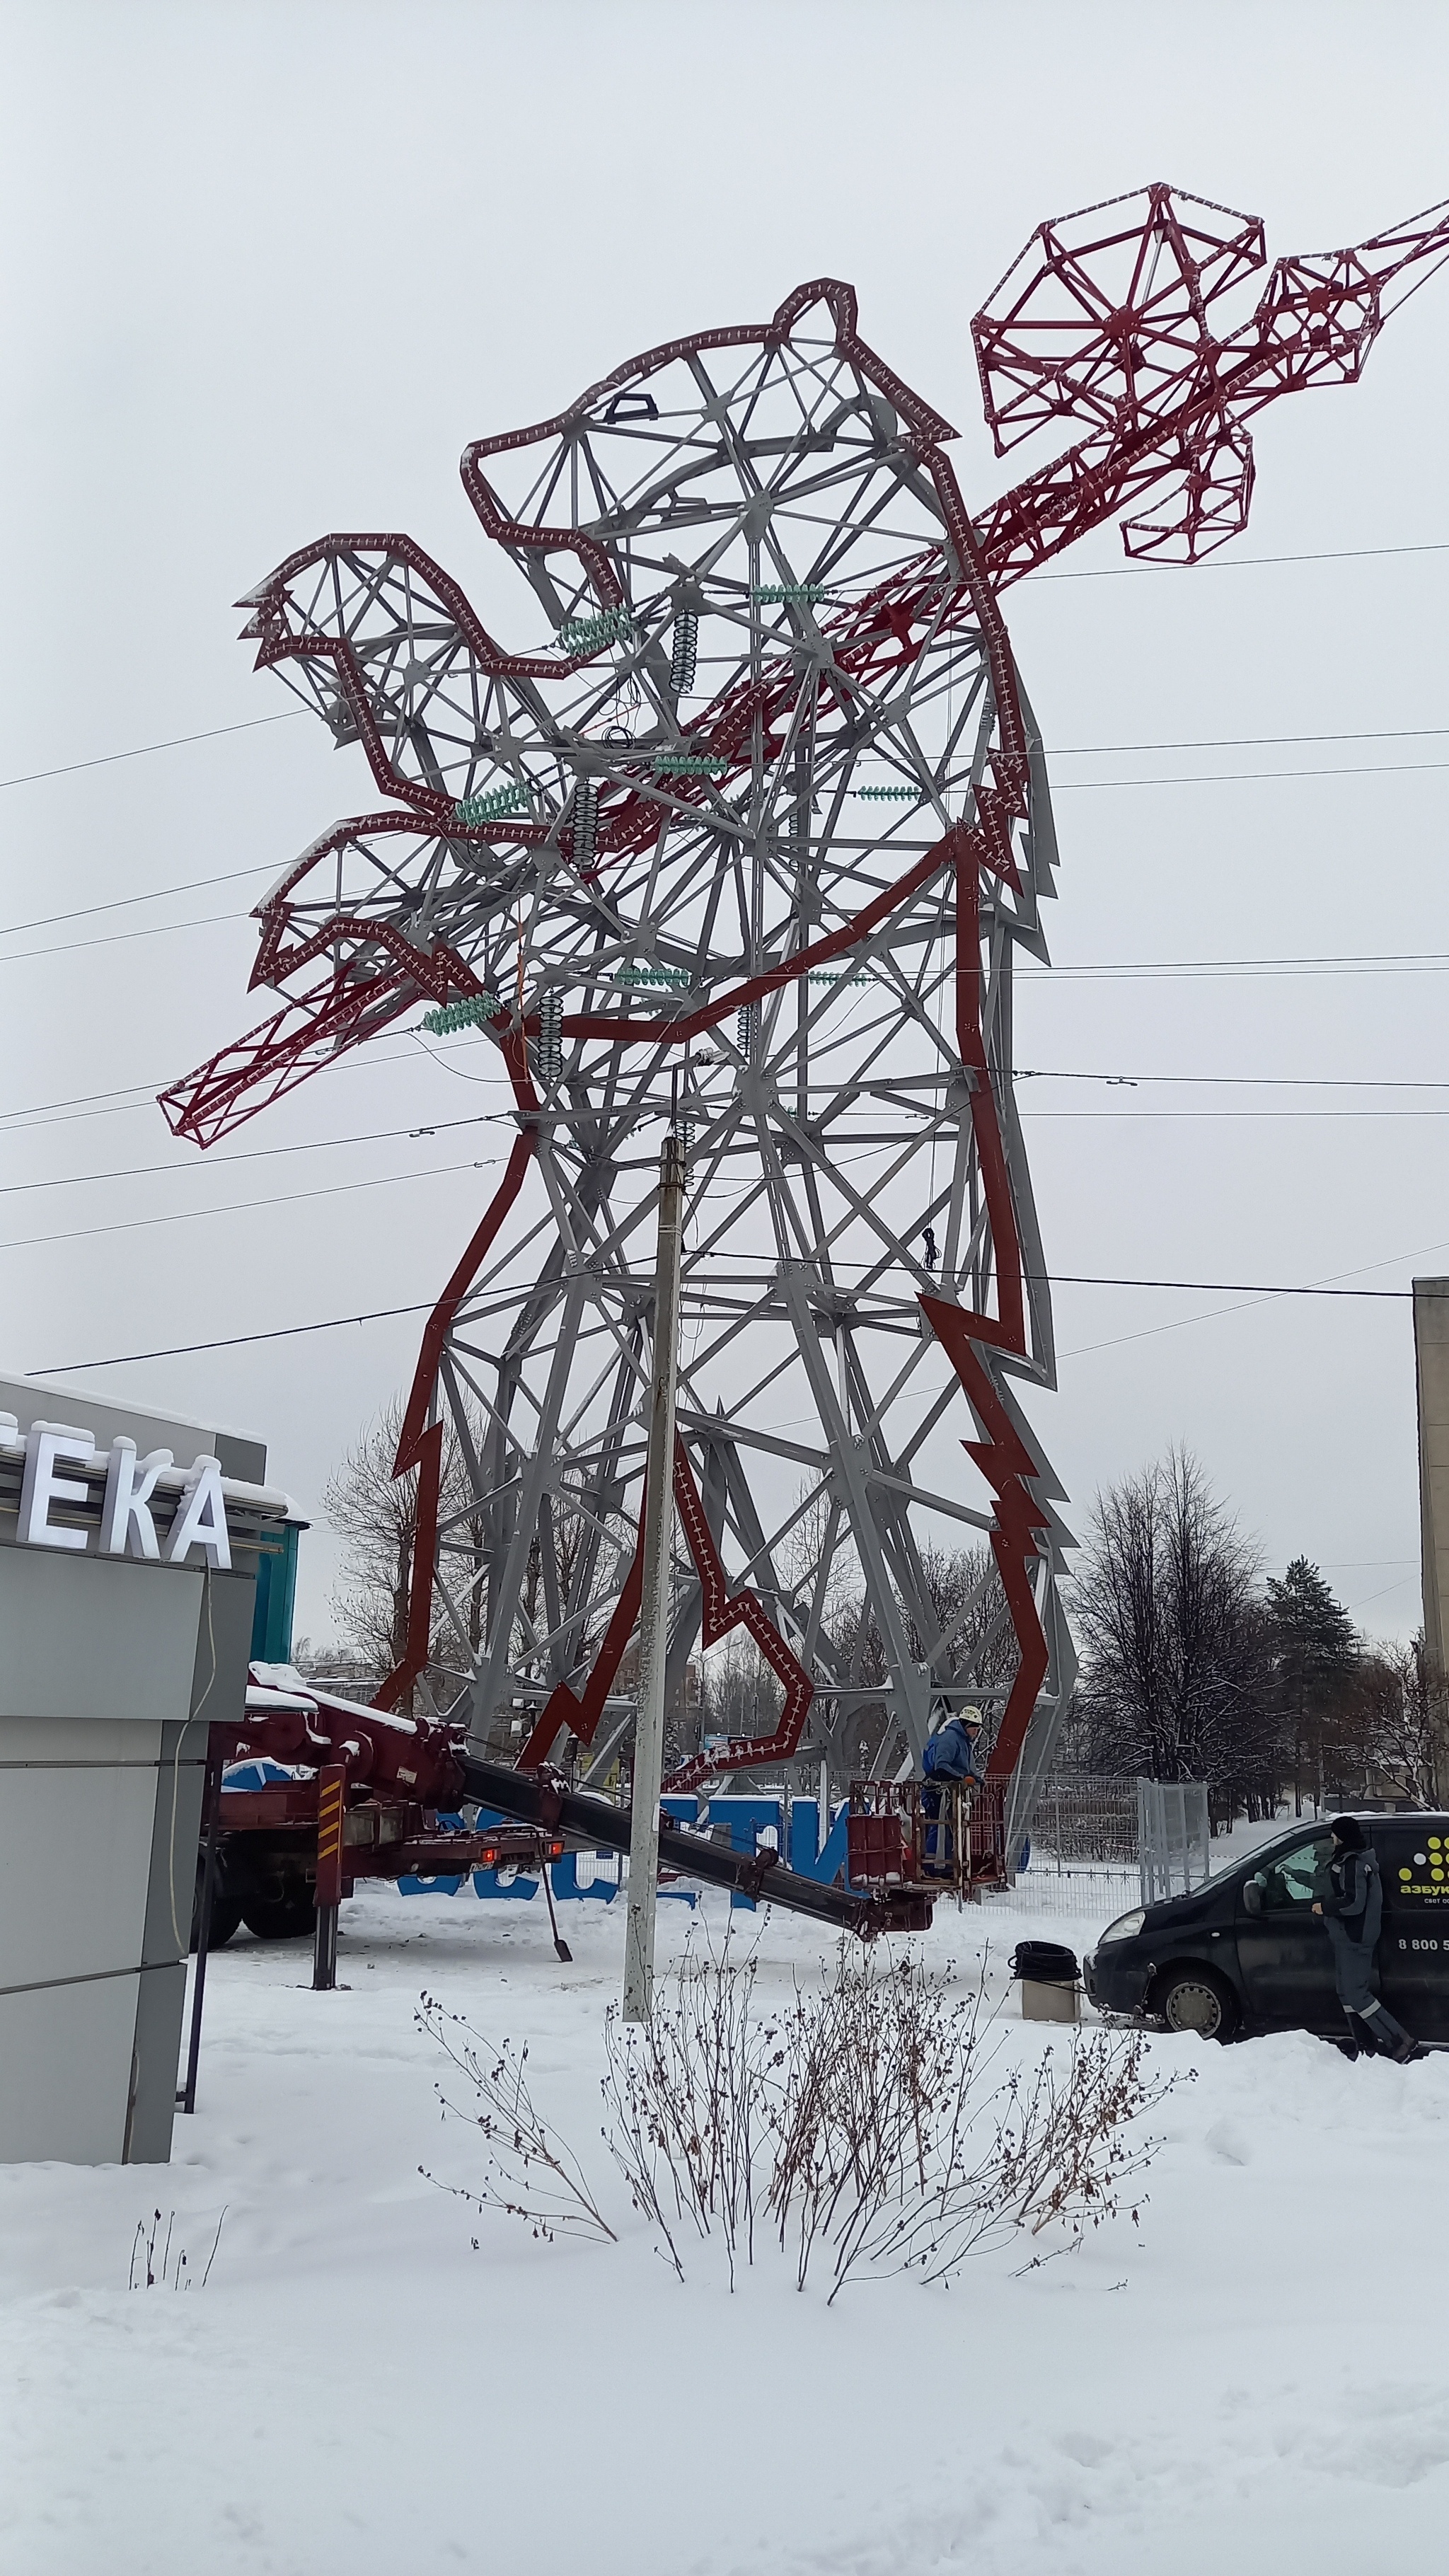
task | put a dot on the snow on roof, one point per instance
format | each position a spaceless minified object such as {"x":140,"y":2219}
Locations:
{"x":282,"y":1686}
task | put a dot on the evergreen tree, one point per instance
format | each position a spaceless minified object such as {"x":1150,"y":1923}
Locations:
{"x":1315,"y":1666}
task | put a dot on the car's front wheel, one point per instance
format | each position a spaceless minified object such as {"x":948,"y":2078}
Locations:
{"x":1191,"y":1998}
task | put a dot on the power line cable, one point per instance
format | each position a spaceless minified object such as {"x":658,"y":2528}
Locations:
{"x":1068,"y":786}
{"x":142,"y":1095}
{"x":381,"y":1314}
{"x":18,"y":1125}
{"x":1245,"y":1081}
{"x":1403,"y":961}
{"x":242,"y":1207}
{"x":1152,"y":1332}
{"x":503,"y":1117}
{"x":1245,"y":563}
{"x":234,"y":1341}
{"x":1376,"y":962}
{"x":256,"y":1154}
{"x":1194,"y":1117}
{"x":123,"y":902}
{"x":115,"y":938}
{"x":768,"y":1262}
{"x":1237,"y":777}
{"x":143,"y":750}
{"x":1234,"y":742}
{"x":1065,"y":751}
{"x":1103,"y":572}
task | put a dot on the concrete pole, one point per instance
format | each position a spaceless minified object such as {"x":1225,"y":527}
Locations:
{"x":654,"y":1602}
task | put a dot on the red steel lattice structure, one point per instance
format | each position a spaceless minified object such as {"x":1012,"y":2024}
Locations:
{"x":635,"y":858}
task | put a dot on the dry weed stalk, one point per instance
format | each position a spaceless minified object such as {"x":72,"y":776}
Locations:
{"x":531,"y":2173}
{"x":145,"y":2273}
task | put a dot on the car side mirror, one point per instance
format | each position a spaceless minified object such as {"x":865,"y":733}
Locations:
{"x":1253,"y":1896}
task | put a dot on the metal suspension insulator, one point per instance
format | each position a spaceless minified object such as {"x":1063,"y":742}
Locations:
{"x":586,"y":823}
{"x":745,"y":1030}
{"x":685,"y":653}
{"x":550,"y":1039}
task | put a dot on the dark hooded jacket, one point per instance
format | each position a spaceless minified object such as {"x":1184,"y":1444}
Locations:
{"x":1351,"y":1892}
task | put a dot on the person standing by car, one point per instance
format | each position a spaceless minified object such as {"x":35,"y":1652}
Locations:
{"x":1349,"y":1894}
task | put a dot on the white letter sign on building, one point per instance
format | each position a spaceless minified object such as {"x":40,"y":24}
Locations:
{"x":45,"y":1443}
{"x":127,"y":1521}
{"x":201,"y":1520}
{"x":127,"y":1527}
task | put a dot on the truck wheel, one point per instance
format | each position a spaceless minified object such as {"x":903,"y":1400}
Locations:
{"x":280,"y":1918}
{"x":226,"y":1911}
{"x":1190,"y":1998}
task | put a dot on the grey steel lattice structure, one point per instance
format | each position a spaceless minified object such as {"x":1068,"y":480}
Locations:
{"x":749,"y":841}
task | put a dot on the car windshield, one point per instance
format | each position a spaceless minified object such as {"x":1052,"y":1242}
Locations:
{"x":1285,"y":1852}
{"x":1287,"y":1875}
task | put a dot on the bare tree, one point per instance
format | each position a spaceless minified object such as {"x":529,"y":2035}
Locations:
{"x":376,"y":1517}
{"x":961,"y":1592}
{"x":1396,"y":1735}
{"x":1177,"y":1679}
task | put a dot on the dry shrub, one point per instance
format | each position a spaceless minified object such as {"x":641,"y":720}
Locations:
{"x":871,"y":2126}
{"x":690,"y":2094}
{"x":530,"y":2173}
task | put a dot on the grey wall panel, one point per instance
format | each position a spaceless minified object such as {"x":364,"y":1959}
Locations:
{"x":94,"y":1637}
{"x":75,"y":1864}
{"x":33,"y":1741}
{"x":67,"y":2054}
{"x":223,"y":1647}
{"x":217,"y":1691}
{"x":168,"y":1864}
{"x":244,"y":1459}
{"x":160,"y":2005}
{"x":35,"y":1401}
{"x":218,"y":1688}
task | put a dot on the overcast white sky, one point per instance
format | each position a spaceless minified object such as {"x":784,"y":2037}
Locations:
{"x":267,"y":269}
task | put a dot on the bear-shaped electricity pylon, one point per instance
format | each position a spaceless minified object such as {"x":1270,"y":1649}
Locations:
{"x":745,"y":840}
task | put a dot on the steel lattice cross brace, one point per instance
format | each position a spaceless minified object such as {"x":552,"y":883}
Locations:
{"x":748,"y":839}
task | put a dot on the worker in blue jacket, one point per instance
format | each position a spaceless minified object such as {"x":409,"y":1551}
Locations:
{"x":955,"y":1751}
{"x":1349,"y":1894}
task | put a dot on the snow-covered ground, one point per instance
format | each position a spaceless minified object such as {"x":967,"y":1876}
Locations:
{"x":1253,"y":2380}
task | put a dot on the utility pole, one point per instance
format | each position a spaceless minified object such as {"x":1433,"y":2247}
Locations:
{"x":654,"y":1602}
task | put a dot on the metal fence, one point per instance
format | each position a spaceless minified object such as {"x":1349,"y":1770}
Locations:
{"x":1100,"y":1846}
{"x":1173,"y":1837}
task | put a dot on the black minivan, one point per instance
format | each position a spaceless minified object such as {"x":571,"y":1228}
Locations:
{"x":1246,"y":1952}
